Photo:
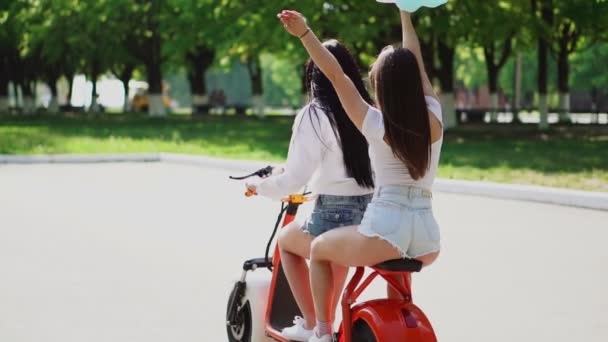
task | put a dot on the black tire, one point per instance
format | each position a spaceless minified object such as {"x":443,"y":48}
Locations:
{"x":242,"y":331}
{"x":362,"y":332}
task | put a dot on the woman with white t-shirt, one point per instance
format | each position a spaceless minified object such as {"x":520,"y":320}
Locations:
{"x":327,"y":150}
{"x":405,"y":135}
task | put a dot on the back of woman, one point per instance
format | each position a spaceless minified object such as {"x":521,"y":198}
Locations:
{"x":328,"y":152}
{"x":404,"y":133}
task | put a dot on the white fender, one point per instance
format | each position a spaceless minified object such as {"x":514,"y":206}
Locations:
{"x":258,"y":284}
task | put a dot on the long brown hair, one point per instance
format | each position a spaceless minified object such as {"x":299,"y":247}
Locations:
{"x":399,"y":91}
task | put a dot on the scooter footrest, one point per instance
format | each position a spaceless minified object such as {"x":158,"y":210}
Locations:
{"x":253,"y":264}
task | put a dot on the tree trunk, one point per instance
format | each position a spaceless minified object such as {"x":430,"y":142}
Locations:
{"x":16,"y":94}
{"x":517,"y":90}
{"x":54,"y":104}
{"x":153,"y":61}
{"x":94,"y":107}
{"x":125,"y":77}
{"x":542,"y":84}
{"x":493,"y":68}
{"x":255,"y":73}
{"x":4,"y":101}
{"x":199,"y":62}
{"x":543,"y":107}
{"x":563,"y":75}
{"x":445,"y":73}
{"x":493,"y":87}
{"x":70,"y":78}
{"x":156,"y":106}
{"x":125,"y":91}
{"x":28,"y":98}
{"x":543,"y":50}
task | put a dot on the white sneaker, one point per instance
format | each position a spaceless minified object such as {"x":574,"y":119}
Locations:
{"x":297,"y":332}
{"x":324,"y":338}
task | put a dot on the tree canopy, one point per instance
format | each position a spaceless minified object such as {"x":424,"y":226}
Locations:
{"x":44,"y":40}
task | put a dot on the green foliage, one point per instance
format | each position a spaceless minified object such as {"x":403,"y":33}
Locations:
{"x":282,"y":83}
{"x":590,"y":69}
{"x":564,"y":157}
{"x":50,"y":37}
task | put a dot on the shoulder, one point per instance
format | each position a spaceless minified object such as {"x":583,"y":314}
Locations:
{"x":373,"y":124}
{"x":434,"y":106}
{"x":312,"y":115}
{"x":312,"y":121}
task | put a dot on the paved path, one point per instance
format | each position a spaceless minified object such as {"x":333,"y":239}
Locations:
{"x":147,"y":252}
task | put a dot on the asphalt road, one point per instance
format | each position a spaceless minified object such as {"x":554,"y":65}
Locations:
{"x":148,"y":252}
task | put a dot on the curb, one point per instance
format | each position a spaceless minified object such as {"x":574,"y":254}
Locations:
{"x":532,"y":193}
{"x":79,"y":158}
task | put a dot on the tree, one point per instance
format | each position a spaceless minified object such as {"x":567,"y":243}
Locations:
{"x":542,"y":11}
{"x":494,"y":28}
{"x":441,"y":31}
{"x":196,"y":32}
{"x":8,"y":50}
{"x":148,"y":36}
{"x":573,"y":20}
{"x":258,"y":33}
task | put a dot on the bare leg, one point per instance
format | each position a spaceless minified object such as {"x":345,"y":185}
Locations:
{"x":339,"y":272}
{"x":294,"y":246}
{"x":342,"y":246}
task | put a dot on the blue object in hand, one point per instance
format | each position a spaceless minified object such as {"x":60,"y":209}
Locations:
{"x":414,"y":5}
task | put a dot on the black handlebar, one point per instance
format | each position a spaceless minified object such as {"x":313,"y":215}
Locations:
{"x":262,"y":173}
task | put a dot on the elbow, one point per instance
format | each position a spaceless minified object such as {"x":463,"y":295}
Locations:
{"x":292,"y":185}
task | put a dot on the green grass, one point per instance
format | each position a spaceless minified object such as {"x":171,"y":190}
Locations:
{"x":569,"y":157}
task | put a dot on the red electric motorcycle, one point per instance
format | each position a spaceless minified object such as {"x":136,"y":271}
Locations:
{"x":261,"y":304}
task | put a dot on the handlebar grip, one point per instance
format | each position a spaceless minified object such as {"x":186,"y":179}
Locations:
{"x":250,"y":193}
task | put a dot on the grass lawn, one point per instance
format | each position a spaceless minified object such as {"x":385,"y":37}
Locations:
{"x":568,"y":156}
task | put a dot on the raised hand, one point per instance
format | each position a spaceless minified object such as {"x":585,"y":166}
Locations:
{"x":294,"y":23}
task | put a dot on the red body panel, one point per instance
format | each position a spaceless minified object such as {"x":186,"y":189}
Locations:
{"x":276,"y":260}
{"x":389,"y":319}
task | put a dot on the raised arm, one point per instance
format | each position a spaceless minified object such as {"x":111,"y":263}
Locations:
{"x":410,"y":42}
{"x":354,"y":105}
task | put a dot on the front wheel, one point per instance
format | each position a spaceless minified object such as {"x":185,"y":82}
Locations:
{"x":362,"y":332}
{"x":240,"y":329}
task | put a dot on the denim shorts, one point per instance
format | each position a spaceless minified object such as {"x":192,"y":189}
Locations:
{"x":403,"y":216}
{"x":336,"y":211}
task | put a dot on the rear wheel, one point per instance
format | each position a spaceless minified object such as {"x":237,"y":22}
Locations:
{"x":362,"y":332}
{"x":240,"y":331}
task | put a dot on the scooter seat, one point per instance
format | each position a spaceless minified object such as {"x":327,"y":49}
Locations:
{"x":400,"y":265}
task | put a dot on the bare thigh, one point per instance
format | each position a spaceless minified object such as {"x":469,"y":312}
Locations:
{"x":294,"y":240}
{"x":348,"y":247}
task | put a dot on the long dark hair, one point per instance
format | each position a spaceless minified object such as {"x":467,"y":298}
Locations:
{"x":321,"y":95}
{"x":397,"y":81}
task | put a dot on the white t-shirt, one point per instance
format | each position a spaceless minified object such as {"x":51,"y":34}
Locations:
{"x":314,"y":158}
{"x":388,"y":168}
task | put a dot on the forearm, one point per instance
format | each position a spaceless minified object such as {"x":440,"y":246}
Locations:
{"x":410,"y":38}
{"x":277,"y":187}
{"x":411,"y":42}
{"x":322,"y":57}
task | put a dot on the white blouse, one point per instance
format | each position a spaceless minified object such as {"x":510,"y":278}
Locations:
{"x":389,"y":169}
{"x":314,"y":158}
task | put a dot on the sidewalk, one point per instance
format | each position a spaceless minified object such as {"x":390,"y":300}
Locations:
{"x":566,"y":197}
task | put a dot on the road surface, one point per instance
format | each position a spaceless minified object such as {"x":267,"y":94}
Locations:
{"x":148,"y":252}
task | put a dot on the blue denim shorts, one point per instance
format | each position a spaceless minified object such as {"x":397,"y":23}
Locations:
{"x":403,"y":216}
{"x":336,"y":211}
